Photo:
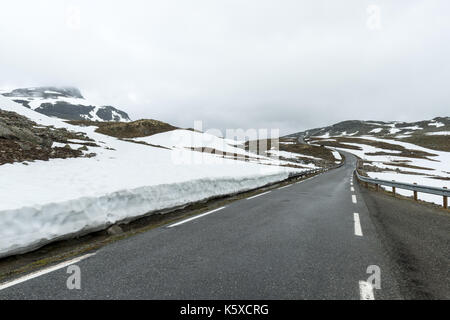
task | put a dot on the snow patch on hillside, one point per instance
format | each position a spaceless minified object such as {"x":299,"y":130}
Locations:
{"x":438,"y":133}
{"x":436,"y":124}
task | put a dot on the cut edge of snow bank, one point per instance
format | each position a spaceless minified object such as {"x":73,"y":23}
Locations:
{"x":28,"y":228}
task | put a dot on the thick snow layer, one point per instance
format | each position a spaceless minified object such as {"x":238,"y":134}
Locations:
{"x":48,"y":200}
{"x":30,"y":226}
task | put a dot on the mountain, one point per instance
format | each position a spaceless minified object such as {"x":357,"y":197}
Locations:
{"x":391,"y":129}
{"x":65,"y":103}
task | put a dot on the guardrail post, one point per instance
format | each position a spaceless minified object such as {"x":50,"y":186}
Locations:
{"x":445,"y":203}
{"x":393,"y":189}
{"x":415,"y":193}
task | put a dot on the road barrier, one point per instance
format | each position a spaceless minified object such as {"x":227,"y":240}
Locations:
{"x":315,"y":171}
{"x":444,"y":192}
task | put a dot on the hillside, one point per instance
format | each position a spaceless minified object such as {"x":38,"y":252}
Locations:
{"x":64,"y":103}
{"x":417,"y":152}
{"x":431,"y":134}
{"x":134,"y":129}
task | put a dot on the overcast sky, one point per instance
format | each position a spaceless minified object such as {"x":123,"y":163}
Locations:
{"x":291,"y":65}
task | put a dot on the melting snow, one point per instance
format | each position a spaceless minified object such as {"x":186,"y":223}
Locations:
{"x":49,"y":200}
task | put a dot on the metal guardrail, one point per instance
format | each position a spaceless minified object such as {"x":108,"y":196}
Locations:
{"x":313,"y":171}
{"x":444,"y":192}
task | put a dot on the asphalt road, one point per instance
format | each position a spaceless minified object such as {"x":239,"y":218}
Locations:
{"x":297,"y":242}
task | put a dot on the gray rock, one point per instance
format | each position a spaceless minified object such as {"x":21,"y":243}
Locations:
{"x":114,"y":230}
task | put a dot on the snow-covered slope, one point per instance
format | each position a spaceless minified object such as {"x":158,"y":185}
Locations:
{"x":48,"y":200}
{"x":390,"y":159}
{"x":64,"y":103}
{"x":378,"y":128}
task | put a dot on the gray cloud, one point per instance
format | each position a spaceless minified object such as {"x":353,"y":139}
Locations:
{"x":236,"y":64}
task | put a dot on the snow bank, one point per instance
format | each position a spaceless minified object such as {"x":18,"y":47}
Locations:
{"x":29,"y":227}
{"x":48,"y":200}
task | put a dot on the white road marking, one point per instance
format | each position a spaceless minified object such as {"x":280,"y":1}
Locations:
{"x":358,"y":231}
{"x":196,"y":217}
{"x":258,"y":195}
{"x":366,"y":291}
{"x":44,"y":271}
{"x":352,"y":189}
{"x":351,"y":183}
{"x":289,"y":185}
{"x":354,"y":198}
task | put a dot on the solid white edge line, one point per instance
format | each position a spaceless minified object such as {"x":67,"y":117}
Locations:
{"x":366,"y":291}
{"x":258,"y":195}
{"x":354,"y":198}
{"x":44,"y":271}
{"x":196,"y":217}
{"x":358,"y":230}
{"x":289,"y":185}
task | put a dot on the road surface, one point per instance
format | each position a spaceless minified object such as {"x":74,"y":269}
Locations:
{"x":316,"y":239}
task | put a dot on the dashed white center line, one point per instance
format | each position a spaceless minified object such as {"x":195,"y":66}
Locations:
{"x":366,"y":291}
{"x":258,"y":195}
{"x":44,"y":271}
{"x":354,"y":198}
{"x":352,"y":189}
{"x":196,"y":217}
{"x":358,"y":231}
